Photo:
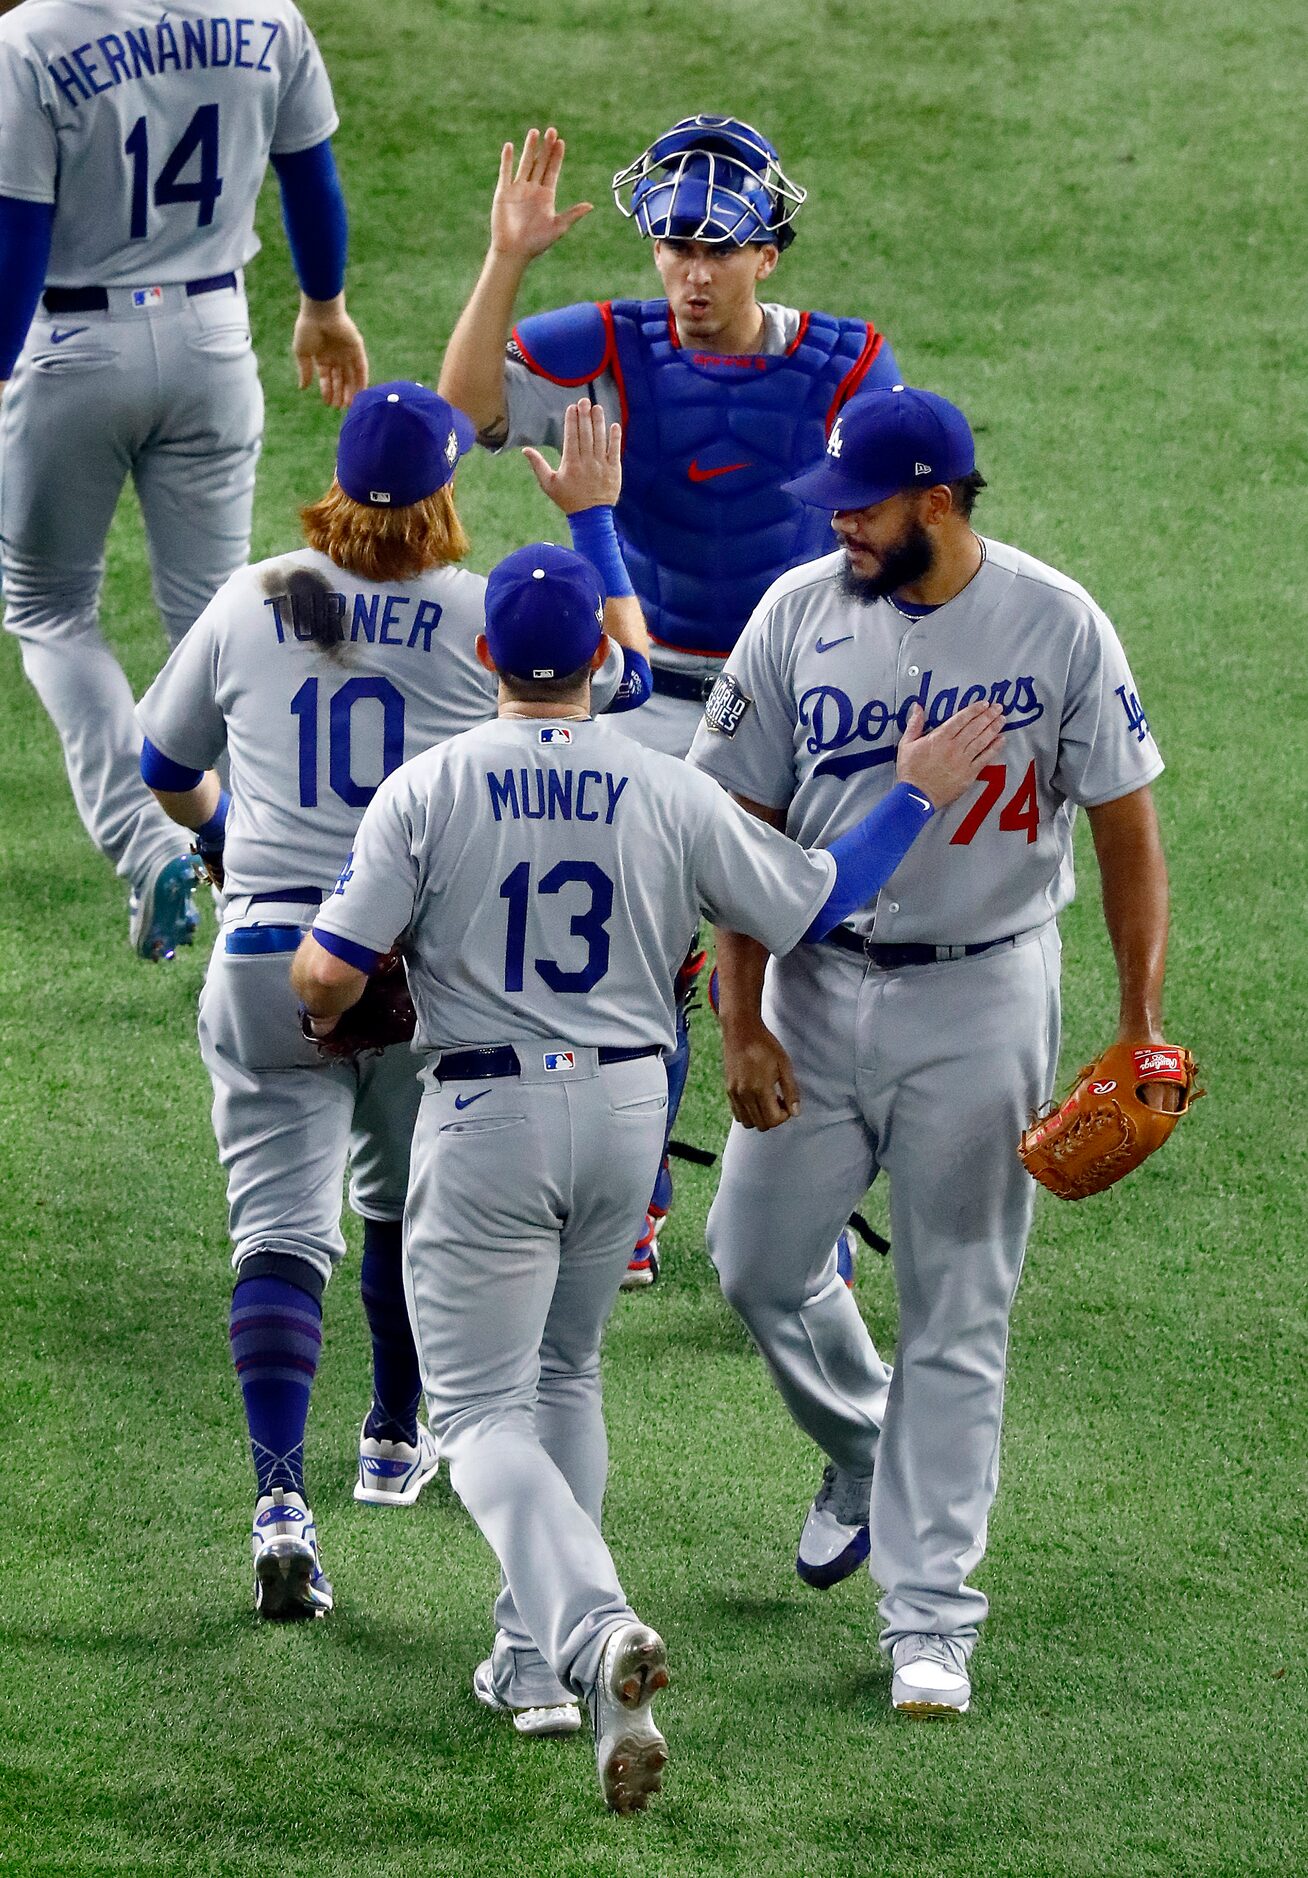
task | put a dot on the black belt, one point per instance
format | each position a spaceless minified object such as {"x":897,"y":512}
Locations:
{"x":502,"y":1060}
{"x":288,"y":893}
{"x":889,"y":957}
{"x":693,"y":685}
{"x":96,"y":299}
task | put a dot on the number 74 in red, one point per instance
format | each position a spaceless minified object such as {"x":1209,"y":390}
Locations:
{"x":1019,"y":815}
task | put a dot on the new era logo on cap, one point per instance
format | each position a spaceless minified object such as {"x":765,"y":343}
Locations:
{"x":921,"y":469}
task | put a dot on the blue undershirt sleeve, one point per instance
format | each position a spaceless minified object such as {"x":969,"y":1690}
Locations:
{"x":160,"y":772}
{"x":637,"y":683}
{"x":25,"y":230}
{"x":349,"y":951}
{"x":317,"y":227}
{"x":868,"y":854}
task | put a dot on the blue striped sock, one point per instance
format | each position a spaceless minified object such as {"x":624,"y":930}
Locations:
{"x":276,"y":1334}
{"x":396,"y":1381}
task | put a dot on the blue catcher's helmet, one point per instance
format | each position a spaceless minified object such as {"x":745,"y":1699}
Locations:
{"x":711,"y":179}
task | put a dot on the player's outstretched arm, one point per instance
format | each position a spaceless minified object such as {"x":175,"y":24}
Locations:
{"x":759,"y":1075}
{"x":1133,"y":873}
{"x":525,"y":221}
{"x":585,"y":486}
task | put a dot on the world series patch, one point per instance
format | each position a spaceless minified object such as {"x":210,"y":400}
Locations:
{"x":726,"y":706}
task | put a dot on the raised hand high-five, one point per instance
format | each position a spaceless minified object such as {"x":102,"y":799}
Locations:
{"x":525,"y":220}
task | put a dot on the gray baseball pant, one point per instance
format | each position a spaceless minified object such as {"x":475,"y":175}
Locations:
{"x":523,"y":1208}
{"x":168,"y":394}
{"x":929,"y":1073}
{"x":286,"y":1121}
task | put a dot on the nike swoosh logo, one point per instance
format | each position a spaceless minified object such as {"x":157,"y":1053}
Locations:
{"x":827,"y":645}
{"x":57,"y":338}
{"x":698,"y":475}
{"x":464,"y":1102}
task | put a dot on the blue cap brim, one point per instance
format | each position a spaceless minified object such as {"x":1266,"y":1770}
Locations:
{"x":829,"y":487}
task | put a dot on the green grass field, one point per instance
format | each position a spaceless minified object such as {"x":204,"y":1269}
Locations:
{"x":1081,"y":221}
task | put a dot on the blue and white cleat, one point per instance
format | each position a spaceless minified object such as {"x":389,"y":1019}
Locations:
{"x":643,"y":1266}
{"x":394,"y":1473}
{"x":847,"y":1257}
{"x":630,"y":1753}
{"x":547,"y":1718}
{"x":288,"y":1576}
{"x":835,"y":1542}
{"x":930,"y":1677}
{"x":163,"y":913}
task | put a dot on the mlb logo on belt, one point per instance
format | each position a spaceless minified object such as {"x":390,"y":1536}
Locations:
{"x":555,"y":733}
{"x":147,"y":296}
{"x":560,"y":1059}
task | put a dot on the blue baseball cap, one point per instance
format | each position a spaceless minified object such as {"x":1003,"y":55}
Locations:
{"x":399,"y":444}
{"x":886,"y":440}
{"x":544,"y":612}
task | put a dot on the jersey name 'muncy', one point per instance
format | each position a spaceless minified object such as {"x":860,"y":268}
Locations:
{"x":381,"y":621}
{"x":214,"y":44}
{"x":554,"y":795}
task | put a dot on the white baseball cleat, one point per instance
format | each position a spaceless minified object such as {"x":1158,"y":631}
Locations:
{"x":835,"y":1542}
{"x":394,"y":1473}
{"x":555,"y":1718}
{"x":930,"y":1677}
{"x":630,"y":1753}
{"x":643,"y":1266}
{"x":288,"y":1574}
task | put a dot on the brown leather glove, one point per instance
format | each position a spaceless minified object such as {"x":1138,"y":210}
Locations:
{"x":383,"y":1015}
{"x":1105,"y":1128}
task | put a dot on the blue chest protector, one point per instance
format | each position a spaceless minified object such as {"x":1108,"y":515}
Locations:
{"x":704,"y":525}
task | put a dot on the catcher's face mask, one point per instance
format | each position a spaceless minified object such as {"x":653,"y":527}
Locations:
{"x":710,"y":179}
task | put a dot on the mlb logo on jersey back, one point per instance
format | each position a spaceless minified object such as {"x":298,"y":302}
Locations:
{"x":555,"y":733}
{"x":726,"y":706}
{"x":147,"y":296}
{"x":560,"y":1060}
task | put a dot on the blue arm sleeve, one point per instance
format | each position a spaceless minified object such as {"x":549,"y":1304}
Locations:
{"x":594,"y":535}
{"x":637,"y":683}
{"x":25,"y":229}
{"x":160,"y":772}
{"x":869,"y":853}
{"x":313,"y":209}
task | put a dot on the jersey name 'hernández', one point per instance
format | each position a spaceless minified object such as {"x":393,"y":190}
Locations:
{"x":150,"y":128}
{"x":810,"y":707}
{"x":708,"y":441}
{"x":311,"y":732}
{"x":548,"y":876}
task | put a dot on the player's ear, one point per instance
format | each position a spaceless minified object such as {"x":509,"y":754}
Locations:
{"x":939,"y":502}
{"x":483,"y":651}
{"x":768,"y":256}
{"x":601,"y":652}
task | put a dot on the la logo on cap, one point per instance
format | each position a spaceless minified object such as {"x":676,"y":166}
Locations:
{"x":452,"y":449}
{"x":833,"y":442}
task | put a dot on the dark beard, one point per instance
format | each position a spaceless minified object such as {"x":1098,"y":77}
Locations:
{"x":908,"y":561}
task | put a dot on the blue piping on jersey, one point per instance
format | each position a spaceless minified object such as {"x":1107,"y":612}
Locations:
{"x":868,"y":854}
{"x":160,"y":772}
{"x":349,"y":950}
{"x":313,"y":211}
{"x":25,"y":232}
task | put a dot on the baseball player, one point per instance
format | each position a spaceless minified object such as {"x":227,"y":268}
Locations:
{"x":721,"y":398}
{"x":544,"y":871}
{"x":314,"y":706}
{"x":133,"y":142}
{"x":922,"y":1033}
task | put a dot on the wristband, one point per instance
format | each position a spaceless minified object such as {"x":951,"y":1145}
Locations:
{"x":213,"y":833}
{"x":594,"y":535}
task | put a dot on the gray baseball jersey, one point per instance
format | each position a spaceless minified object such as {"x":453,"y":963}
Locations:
{"x":808,"y":714}
{"x":311,"y":732}
{"x":549,"y":876}
{"x":150,"y":129}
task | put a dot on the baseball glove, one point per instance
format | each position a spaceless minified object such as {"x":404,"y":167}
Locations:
{"x":382,"y":1016}
{"x":1104,"y":1128}
{"x":211,"y":862}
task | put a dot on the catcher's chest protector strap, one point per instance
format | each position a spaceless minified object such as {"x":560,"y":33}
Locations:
{"x":705,"y":528}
